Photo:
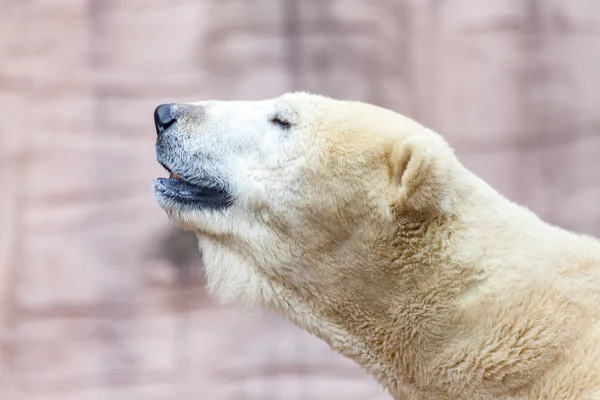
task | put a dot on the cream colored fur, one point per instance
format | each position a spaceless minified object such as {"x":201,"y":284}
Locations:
{"x":362,"y":227}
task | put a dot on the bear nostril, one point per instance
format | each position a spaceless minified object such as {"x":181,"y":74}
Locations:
{"x":163,"y":118}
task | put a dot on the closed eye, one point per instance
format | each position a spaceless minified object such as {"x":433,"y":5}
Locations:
{"x":281,"y":122}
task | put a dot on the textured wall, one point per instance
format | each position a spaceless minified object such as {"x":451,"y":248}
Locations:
{"x":93,"y":303}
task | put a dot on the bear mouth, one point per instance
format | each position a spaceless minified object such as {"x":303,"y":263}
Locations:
{"x":198,"y":193}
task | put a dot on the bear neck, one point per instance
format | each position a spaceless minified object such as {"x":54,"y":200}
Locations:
{"x":392,"y":314}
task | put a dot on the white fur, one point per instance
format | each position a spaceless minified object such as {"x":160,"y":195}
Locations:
{"x":361,"y":226}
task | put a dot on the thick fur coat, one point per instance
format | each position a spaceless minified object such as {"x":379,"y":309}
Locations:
{"x":361,"y":226}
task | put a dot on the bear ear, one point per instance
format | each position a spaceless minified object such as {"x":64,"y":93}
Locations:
{"x":420,"y":172}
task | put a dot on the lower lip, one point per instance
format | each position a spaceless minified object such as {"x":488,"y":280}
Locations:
{"x":178,"y":191}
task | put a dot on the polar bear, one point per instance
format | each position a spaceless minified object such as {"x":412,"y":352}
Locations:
{"x":361,"y":226}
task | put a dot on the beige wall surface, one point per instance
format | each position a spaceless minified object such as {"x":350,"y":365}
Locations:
{"x":100,"y":297}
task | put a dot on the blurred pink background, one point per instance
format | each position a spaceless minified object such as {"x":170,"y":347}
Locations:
{"x":100,"y":298}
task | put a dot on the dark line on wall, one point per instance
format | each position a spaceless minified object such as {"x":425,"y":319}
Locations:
{"x":17,"y":258}
{"x":293,"y":30}
{"x":405,"y":57}
{"x":115,"y":330}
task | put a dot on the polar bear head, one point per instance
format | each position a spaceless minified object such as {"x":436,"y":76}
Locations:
{"x":295,"y":198}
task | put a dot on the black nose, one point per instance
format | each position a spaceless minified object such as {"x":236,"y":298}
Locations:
{"x":163,"y":118}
